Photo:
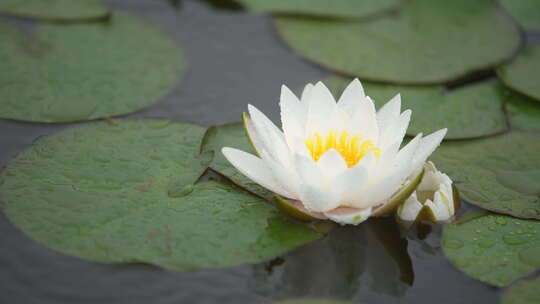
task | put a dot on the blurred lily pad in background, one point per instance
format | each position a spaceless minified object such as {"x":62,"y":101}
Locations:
{"x":426,"y":42}
{"x":128,"y":65}
{"x":125,"y":193}
{"x":495,"y":249}
{"x":321,"y":8}
{"x":524,"y":291}
{"x":523,"y":112}
{"x":526,"y":12}
{"x":313,"y":301}
{"x":522,"y":73}
{"x":434,"y":108}
{"x":55,"y":10}
{"x":498,"y":173}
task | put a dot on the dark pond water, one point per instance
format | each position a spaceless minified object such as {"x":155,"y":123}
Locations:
{"x":234,"y":58}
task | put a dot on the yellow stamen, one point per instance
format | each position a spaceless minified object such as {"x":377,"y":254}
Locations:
{"x":351,"y":147}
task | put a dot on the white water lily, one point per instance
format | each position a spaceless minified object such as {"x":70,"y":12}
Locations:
{"x":432,"y":199}
{"x":337,"y":160}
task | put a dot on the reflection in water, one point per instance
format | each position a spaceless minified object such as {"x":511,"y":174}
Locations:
{"x":371,"y":257}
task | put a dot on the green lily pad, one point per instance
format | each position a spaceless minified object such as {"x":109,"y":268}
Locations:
{"x":433,"y":108}
{"x":231,"y":135}
{"x":321,"y":8}
{"x":85,"y":71}
{"x":523,"y":112}
{"x":522,"y":74}
{"x":495,"y":249}
{"x":499,"y":173}
{"x":428,"y":41}
{"x":56,"y":10}
{"x":524,"y":291}
{"x":526,"y":12}
{"x":125,"y":193}
{"x":313,"y":301}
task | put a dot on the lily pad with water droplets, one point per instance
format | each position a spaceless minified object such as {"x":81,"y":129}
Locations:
{"x":495,"y":249}
{"x":125,"y":192}
{"x":231,"y":135}
{"x":55,"y":10}
{"x":85,"y":71}
{"x":523,"y":73}
{"x":524,"y":291}
{"x":426,"y":42}
{"x":526,"y":12}
{"x":499,"y":173}
{"x":321,"y":8}
{"x":433,"y":108}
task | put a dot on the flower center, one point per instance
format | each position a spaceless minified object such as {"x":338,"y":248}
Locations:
{"x":351,"y":147}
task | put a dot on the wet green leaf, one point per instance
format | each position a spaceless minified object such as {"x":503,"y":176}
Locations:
{"x":58,"y":10}
{"x":498,"y":173}
{"x":495,"y":249}
{"x":526,"y":12}
{"x":428,"y":41}
{"x":433,"y":108}
{"x":324,"y":8}
{"x":523,"y":112}
{"x":102,"y":192}
{"x":524,"y":291}
{"x":85,"y":71}
{"x":231,"y":135}
{"x":522,"y":74}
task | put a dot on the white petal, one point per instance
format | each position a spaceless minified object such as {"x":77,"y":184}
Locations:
{"x":389,"y":113}
{"x":365,"y":120}
{"x":287,"y":179}
{"x":293,"y":115}
{"x":405,"y":155}
{"x":255,"y":169}
{"x":252,"y":133}
{"x":410,"y":209}
{"x":404,"y":120}
{"x":349,"y":184}
{"x":306,"y":93}
{"x":440,"y":210}
{"x":321,"y":104}
{"x":351,"y":97}
{"x":427,"y":145}
{"x":331,"y":163}
{"x":382,"y":191}
{"x":314,"y":199}
{"x":349,"y":216}
{"x":271,"y":137}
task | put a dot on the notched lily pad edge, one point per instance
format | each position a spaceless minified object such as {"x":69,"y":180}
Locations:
{"x":451,"y":81}
{"x":500,"y":76}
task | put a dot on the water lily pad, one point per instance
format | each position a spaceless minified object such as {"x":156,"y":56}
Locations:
{"x":231,"y":135}
{"x":522,"y":74}
{"x":524,"y":291}
{"x":526,"y":12}
{"x":426,"y":42}
{"x":124,"y":193}
{"x":313,"y":301}
{"x":433,"y":108}
{"x":499,"y":173}
{"x":523,"y":112}
{"x":59,"y":10}
{"x":85,"y":71}
{"x":495,"y":249}
{"x":324,"y":8}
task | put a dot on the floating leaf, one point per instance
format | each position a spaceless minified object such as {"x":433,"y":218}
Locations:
{"x":56,"y":10}
{"x":434,"y":109}
{"x":428,"y":41}
{"x":85,"y":71}
{"x":522,"y":74}
{"x":499,"y":173}
{"x":526,"y":12}
{"x":230,"y":135}
{"x":313,"y":301}
{"x":525,"y":291}
{"x":495,"y":249}
{"x":322,"y":8}
{"x":523,"y":112}
{"x":124,"y":193}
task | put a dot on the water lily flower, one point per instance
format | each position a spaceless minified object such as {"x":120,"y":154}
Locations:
{"x":434,"y":199}
{"x":334,"y":160}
